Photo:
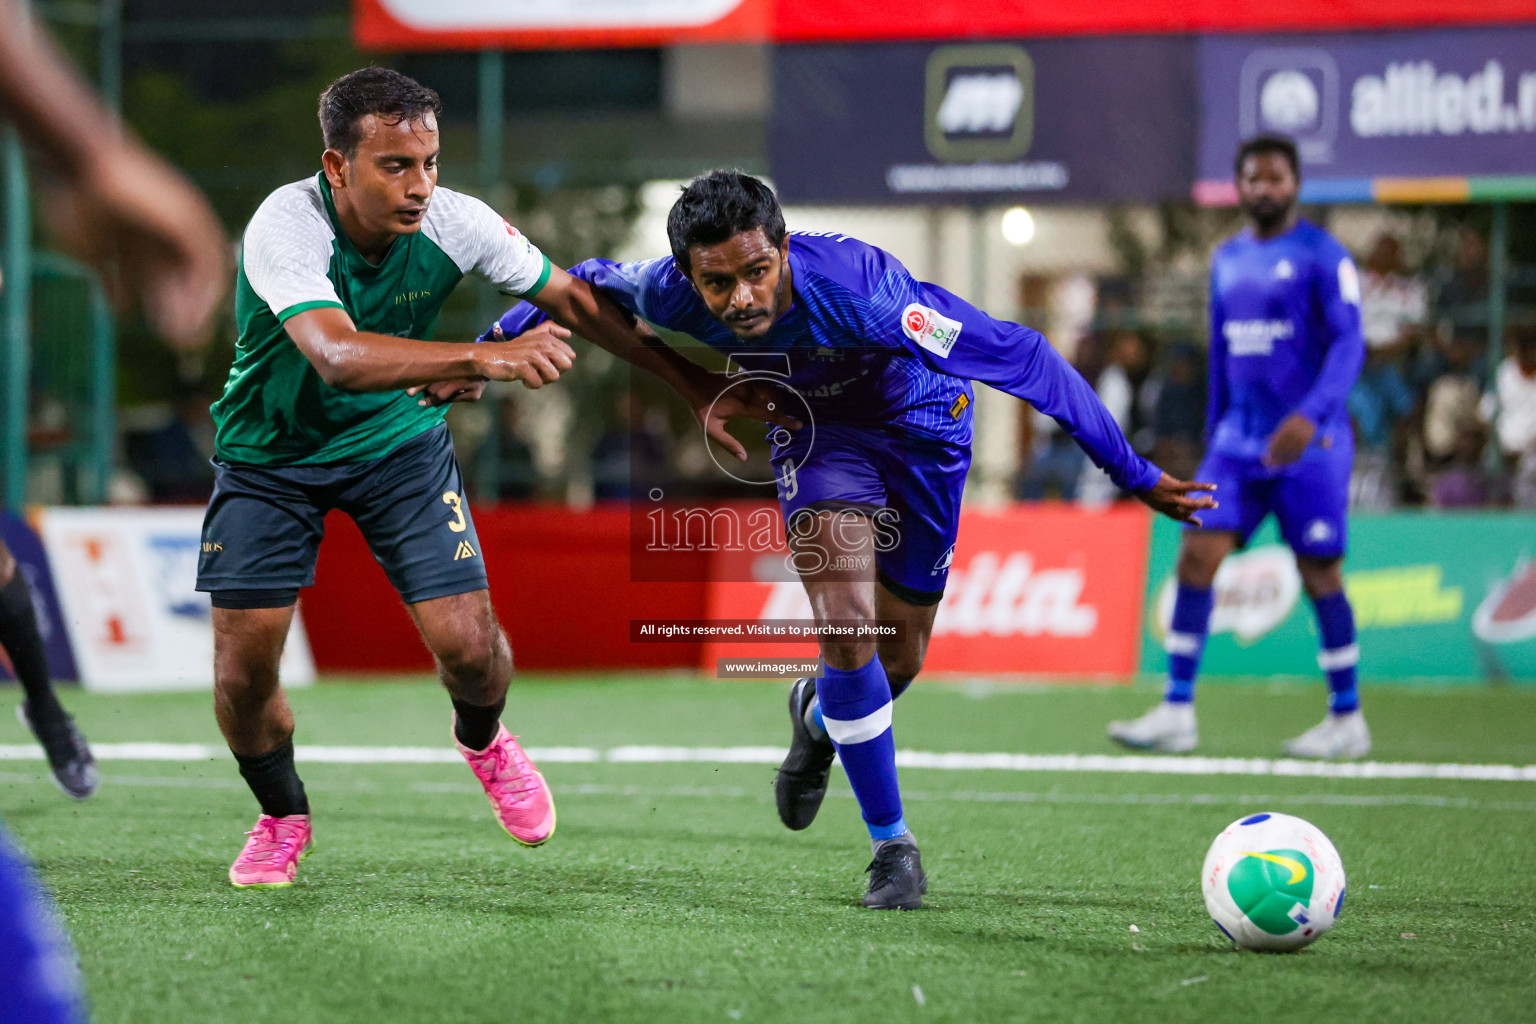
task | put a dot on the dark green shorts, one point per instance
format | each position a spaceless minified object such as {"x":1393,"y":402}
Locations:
{"x":264,"y":523}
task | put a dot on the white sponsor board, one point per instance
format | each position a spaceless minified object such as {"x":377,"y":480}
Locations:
{"x":1255,"y":592}
{"x":127,"y":583}
{"x":482,"y":15}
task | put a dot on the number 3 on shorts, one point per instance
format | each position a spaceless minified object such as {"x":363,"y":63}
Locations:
{"x":452,"y":498}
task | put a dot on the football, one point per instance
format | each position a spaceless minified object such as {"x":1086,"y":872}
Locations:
{"x":1273,"y":882}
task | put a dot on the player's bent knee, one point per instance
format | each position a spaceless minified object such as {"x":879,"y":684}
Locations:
{"x":846,"y":655}
{"x":478,"y":662}
{"x":243,"y":682}
{"x":1197,"y":567}
{"x":901,"y":671}
{"x":1321,"y":576}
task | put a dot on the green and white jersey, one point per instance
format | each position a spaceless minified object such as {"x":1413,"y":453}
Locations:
{"x":276,"y":410}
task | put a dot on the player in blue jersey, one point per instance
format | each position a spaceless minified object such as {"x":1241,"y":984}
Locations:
{"x":879,"y":369}
{"x":1285,"y":349}
{"x":39,"y":983}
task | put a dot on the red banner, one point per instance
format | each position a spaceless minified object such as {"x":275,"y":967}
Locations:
{"x":477,"y":24}
{"x":1033,"y":589}
{"x":1048,"y":589}
{"x":799,"y":21}
{"x":559,"y":582}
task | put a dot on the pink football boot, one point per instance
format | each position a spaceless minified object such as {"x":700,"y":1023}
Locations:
{"x":271,"y":856}
{"x":519,"y":794}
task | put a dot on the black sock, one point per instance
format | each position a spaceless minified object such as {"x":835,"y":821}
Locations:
{"x":24,"y":644}
{"x":273,"y":779}
{"x":476,"y":726}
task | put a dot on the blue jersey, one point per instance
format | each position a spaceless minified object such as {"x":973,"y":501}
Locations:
{"x":38,"y":980}
{"x":869,"y":346}
{"x":1285,"y":338}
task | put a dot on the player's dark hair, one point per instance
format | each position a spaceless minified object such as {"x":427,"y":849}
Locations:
{"x":383,"y":92}
{"x":721,"y":205}
{"x":1263,"y":144}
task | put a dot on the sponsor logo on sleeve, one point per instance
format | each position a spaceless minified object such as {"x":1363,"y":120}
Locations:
{"x":931,"y":329}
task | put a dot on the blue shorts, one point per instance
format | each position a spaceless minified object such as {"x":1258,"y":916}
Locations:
{"x":264,"y":523}
{"x":910,"y":484}
{"x":1309,"y":498}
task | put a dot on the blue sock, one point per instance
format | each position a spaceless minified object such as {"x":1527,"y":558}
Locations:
{"x":1340,"y":655}
{"x":1186,"y":641}
{"x":855,"y":709}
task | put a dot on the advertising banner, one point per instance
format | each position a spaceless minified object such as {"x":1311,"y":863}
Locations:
{"x":1453,"y":112}
{"x":1448,"y":596}
{"x":994,"y":122}
{"x":826,"y":20}
{"x":32,"y":563}
{"x":474,"y":24}
{"x":560,"y":585}
{"x":1039,"y":589}
{"x":127,"y":584}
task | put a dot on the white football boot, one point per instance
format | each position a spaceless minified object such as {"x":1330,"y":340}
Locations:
{"x":1168,"y":726}
{"x":1337,"y":736}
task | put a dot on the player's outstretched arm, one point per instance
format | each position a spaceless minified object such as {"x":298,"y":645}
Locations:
{"x":149,"y":233}
{"x":472,"y":389}
{"x":354,"y":360}
{"x":591,"y":312}
{"x":955,"y":338}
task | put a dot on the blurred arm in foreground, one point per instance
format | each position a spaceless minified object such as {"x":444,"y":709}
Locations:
{"x":148,"y":232}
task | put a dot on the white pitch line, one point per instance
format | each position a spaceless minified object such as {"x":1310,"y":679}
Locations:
{"x":761,"y":795}
{"x":1092,"y":763}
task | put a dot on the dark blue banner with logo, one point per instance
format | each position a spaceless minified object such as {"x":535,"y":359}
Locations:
{"x":1447,"y":115}
{"x":32,"y":563}
{"x":1068,"y":119}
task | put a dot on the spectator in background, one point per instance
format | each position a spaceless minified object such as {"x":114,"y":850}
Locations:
{"x":513,"y":469}
{"x":1453,"y":433}
{"x":1393,"y":311}
{"x":1511,"y":408}
{"x":172,"y":458}
{"x":632,"y":457}
{"x":1053,"y":464}
{"x":1461,"y":305}
{"x":1118,"y":387}
{"x":1176,"y":394}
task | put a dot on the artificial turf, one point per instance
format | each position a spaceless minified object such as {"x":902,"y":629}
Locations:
{"x":671,"y":893}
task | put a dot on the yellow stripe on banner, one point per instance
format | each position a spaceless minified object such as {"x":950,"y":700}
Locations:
{"x":1421,"y":190}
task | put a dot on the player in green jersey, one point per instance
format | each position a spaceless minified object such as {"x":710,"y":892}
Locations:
{"x":335,"y":402}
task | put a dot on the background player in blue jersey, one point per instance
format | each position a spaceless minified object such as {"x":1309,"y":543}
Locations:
{"x":879,"y":369}
{"x":1285,"y":349}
